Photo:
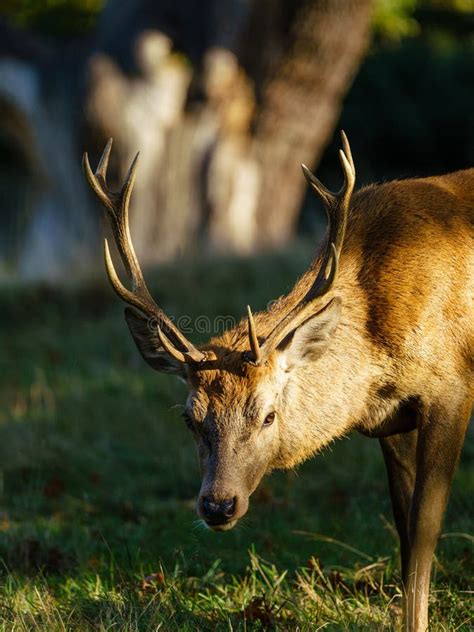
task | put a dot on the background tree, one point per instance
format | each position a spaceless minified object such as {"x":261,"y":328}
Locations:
{"x":224,"y":99}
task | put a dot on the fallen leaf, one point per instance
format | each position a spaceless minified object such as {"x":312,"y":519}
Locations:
{"x":153,"y":582}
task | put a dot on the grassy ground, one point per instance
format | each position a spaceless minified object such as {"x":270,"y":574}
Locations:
{"x":99,"y":477}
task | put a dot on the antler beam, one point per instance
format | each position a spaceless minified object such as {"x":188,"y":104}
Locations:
{"x":117,"y":205}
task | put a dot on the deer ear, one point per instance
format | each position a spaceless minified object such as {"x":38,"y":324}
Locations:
{"x":149,"y":345}
{"x":309,"y":340}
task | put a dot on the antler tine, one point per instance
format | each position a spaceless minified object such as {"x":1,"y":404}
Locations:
{"x":191,"y":356}
{"x":323,"y":192}
{"x":254,"y":344}
{"x":346,"y":148}
{"x":345,"y":193}
{"x":337,"y":209}
{"x":116,"y":283}
{"x":131,"y":297}
{"x":93,"y":178}
{"x":103,"y":165}
{"x":117,"y":205}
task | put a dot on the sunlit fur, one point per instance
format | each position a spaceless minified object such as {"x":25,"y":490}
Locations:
{"x":406,"y":330}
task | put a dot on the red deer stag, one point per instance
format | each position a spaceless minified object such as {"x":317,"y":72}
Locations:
{"x":377,"y":336}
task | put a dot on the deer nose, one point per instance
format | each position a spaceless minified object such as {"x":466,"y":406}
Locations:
{"x":217,"y":511}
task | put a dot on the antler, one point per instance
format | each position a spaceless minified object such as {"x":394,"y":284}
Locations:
{"x":337,"y":208}
{"x":116,"y":204}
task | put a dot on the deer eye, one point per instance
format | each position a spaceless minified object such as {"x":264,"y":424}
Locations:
{"x":269,"y":419}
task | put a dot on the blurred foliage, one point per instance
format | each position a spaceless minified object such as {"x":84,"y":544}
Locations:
{"x":58,"y":18}
{"x":393,"y":19}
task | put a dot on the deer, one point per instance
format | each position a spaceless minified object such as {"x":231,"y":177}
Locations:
{"x":377,"y":336}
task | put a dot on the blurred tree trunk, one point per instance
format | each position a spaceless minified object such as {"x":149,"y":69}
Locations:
{"x":45,"y":224}
{"x":302,"y":103}
{"x":221,"y":145}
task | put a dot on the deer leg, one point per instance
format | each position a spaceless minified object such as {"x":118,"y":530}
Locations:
{"x":399,"y":452}
{"x":440,"y":437}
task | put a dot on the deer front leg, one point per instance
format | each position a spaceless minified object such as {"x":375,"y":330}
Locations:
{"x":440,"y":438}
{"x":399,"y":452}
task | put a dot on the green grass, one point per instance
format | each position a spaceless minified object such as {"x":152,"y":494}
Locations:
{"x":99,"y":477}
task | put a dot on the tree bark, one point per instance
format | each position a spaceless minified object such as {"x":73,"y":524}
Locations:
{"x":301,"y":104}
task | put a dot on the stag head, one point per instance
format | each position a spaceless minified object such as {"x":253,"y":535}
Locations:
{"x":247,"y":387}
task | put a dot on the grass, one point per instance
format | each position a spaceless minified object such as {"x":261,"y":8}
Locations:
{"x":99,"y":477}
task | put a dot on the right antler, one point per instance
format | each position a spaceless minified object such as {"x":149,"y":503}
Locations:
{"x":116,"y":204}
{"x":337,"y":209}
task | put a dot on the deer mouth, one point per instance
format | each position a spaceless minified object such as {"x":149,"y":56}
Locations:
{"x":222,"y":526}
